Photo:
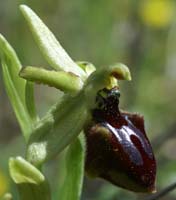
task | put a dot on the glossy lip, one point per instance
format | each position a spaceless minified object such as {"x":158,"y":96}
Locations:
{"x":123,"y":137}
{"x":136,"y":152}
{"x":122,"y":146}
{"x":109,"y":161}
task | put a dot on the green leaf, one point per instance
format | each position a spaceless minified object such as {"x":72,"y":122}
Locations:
{"x":15,"y":86}
{"x":49,"y":46}
{"x":30,"y":103}
{"x":72,"y":186}
{"x":30,"y":181}
{"x":65,"y":81}
{"x":57,"y":129}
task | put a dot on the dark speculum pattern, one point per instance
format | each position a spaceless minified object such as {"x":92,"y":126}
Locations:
{"x":118,"y":149}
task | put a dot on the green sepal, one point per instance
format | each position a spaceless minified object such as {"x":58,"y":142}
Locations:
{"x":49,"y":45}
{"x":65,"y":122}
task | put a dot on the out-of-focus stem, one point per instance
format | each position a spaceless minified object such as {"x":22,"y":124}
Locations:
{"x":162,"y":193}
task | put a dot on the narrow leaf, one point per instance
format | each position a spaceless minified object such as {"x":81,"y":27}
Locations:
{"x":15,"y":86}
{"x":65,"y":81}
{"x":48,"y":44}
{"x":8,"y":55}
{"x":72,"y":186}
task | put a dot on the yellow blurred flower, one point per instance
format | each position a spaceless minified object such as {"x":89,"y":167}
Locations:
{"x":156,"y":13}
{"x":3,"y":184}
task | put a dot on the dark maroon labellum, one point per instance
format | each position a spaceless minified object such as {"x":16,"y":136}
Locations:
{"x":118,"y":149}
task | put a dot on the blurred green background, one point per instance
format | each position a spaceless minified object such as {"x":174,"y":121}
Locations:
{"x":141,"y":34}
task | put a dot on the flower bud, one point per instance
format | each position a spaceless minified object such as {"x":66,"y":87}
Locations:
{"x":118,"y":149}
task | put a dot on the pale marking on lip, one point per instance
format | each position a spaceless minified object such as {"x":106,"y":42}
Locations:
{"x":123,"y":136}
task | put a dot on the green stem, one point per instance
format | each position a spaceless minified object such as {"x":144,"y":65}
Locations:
{"x":34,"y":192}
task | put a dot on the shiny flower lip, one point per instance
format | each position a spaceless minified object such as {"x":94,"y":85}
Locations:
{"x":118,"y":149}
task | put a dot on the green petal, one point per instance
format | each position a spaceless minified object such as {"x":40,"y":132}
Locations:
{"x":65,"y":81}
{"x":49,"y":46}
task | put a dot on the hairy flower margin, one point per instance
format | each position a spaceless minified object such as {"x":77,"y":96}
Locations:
{"x":46,"y":137}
